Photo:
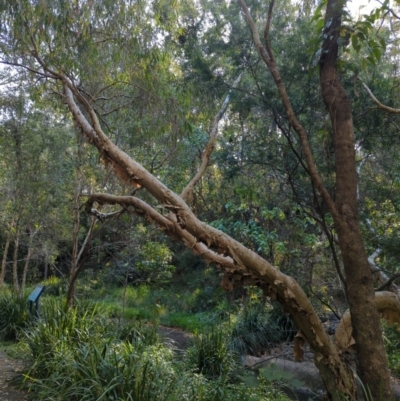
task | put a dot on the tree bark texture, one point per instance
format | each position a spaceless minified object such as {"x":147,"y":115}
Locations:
{"x":4,"y":259}
{"x":388,"y":305}
{"x":372,"y":361}
{"x":15,"y":262}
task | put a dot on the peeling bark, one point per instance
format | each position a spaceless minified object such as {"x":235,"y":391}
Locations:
{"x":387,"y":303}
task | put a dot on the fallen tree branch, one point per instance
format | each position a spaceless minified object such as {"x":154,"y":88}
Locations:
{"x":240,"y":263}
{"x":387,"y":303}
{"x":170,"y":227}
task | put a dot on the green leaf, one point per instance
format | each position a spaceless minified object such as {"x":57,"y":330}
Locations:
{"x":371,"y":59}
{"x":355,"y":43}
{"x":382,"y":43}
{"x":319,"y":25}
{"x":296,"y":383}
{"x":251,"y":381}
{"x":377,"y":53}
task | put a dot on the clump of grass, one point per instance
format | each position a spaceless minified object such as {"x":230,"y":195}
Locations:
{"x":14,"y":315}
{"x":212,"y":356}
{"x":59,"y":329}
{"x":138,"y":333}
{"x":111,"y":371}
{"x":253,"y":332}
{"x":78,"y":354}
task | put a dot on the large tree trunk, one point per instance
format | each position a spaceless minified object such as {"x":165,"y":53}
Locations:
{"x":4,"y":259}
{"x":371,"y":355}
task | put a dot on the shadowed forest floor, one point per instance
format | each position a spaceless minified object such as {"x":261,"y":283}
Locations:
{"x":9,"y":367}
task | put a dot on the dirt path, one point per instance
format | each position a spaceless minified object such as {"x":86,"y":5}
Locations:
{"x":175,"y":337}
{"x":8,"y":369}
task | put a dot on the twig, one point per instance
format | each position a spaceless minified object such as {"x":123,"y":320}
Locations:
{"x":378,"y":103}
{"x":390,"y":281}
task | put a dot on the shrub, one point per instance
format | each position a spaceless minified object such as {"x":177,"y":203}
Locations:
{"x":54,"y":286}
{"x":253,"y":331}
{"x":110,"y":371}
{"x":202,"y":299}
{"x":14,"y":315}
{"x":138,"y":333}
{"x":212,"y":356}
{"x":391,"y":337}
{"x":58,"y":330}
{"x":76,"y":356}
{"x":286,"y":329}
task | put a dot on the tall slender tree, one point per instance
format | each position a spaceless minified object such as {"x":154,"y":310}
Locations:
{"x":344,"y":208}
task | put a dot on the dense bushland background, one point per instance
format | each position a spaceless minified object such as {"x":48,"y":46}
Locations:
{"x":157,"y":75}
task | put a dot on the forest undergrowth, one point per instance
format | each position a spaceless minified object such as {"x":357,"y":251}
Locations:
{"x":92,"y":351}
{"x":108,"y":350}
